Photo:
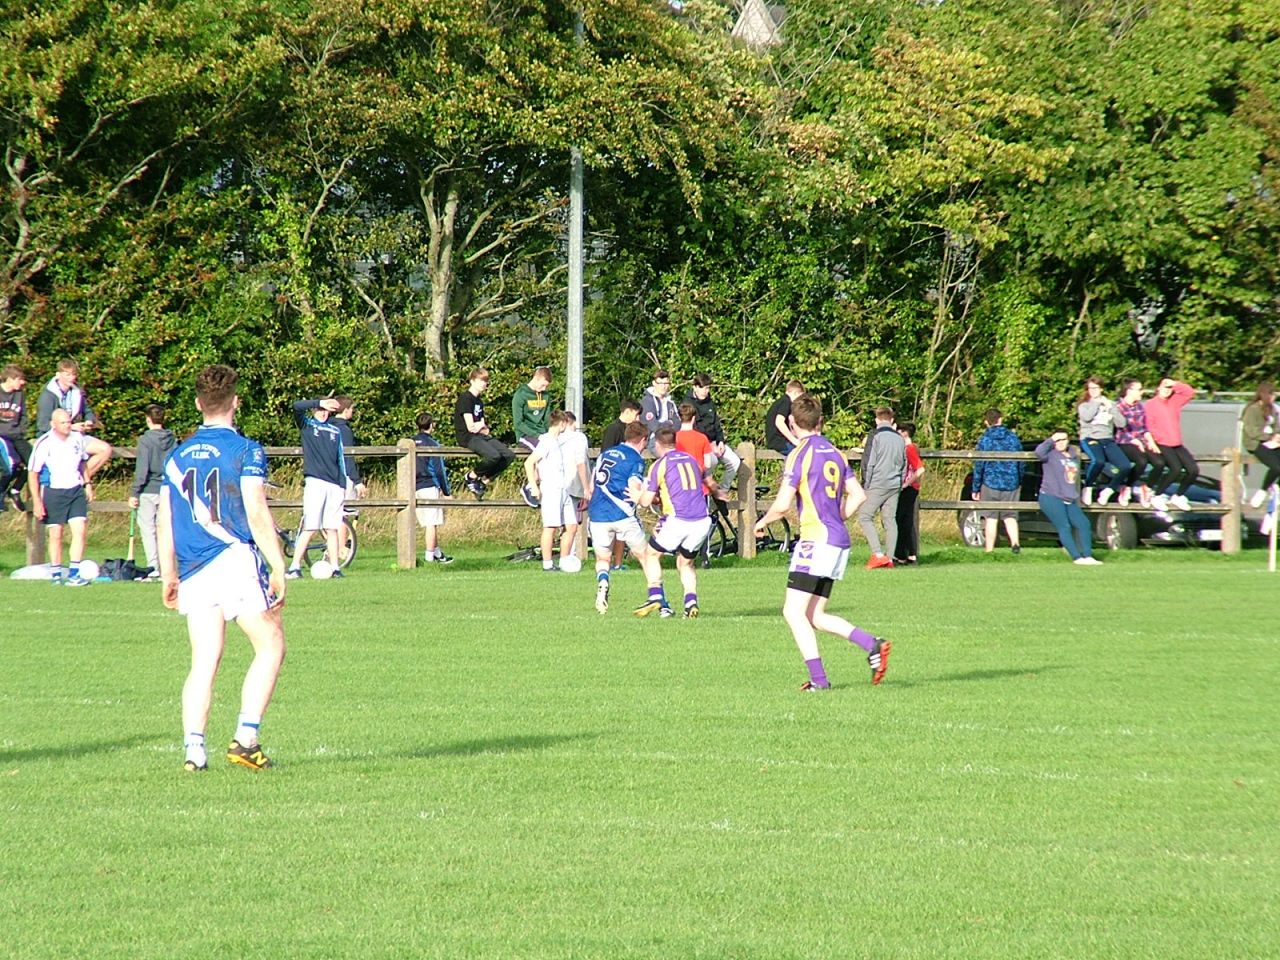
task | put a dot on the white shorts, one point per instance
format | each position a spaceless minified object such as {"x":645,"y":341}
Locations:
{"x":429,"y":516}
{"x":234,"y":582}
{"x":819,"y":560}
{"x":321,"y":504}
{"x":627,"y":530}
{"x":558,"y":509}
{"x":687,"y":536}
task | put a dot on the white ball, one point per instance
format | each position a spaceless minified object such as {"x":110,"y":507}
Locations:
{"x":321,"y":570}
{"x":89,"y":569}
{"x":570,"y":564}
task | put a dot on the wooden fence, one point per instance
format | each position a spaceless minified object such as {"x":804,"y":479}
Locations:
{"x":746,"y":510}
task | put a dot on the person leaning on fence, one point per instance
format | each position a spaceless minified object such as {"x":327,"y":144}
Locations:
{"x":657,"y":409}
{"x":998,"y":481}
{"x":62,"y":488}
{"x":616,"y":432}
{"x":324,"y":481}
{"x":15,"y":451}
{"x":1260,"y":435}
{"x":1100,"y":418}
{"x":1060,"y":498}
{"x":64,"y":393}
{"x":472,"y":431}
{"x":1136,"y":441}
{"x":908,"y":525}
{"x":884,"y":465}
{"x":431,"y":483}
{"x":153,"y":447}
{"x":779,"y":432}
{"x":708,"y":422}
{"x":1164,"y":420}
{"x":530,"y":408}
{"x":547,"y":485}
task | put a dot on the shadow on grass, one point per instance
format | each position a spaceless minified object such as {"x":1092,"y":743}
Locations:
{"x":76,"y":750}
{"x":518,"y":743}
{"x":1025,"y":673}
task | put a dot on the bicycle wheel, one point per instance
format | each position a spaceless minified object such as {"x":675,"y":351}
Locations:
{"x":346,"y":546}
{"x":717,"y":541}
{"x":777,"y":536}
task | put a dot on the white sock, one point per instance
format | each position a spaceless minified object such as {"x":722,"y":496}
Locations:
{"x":195,"y":749}
{"x":247,"y":730}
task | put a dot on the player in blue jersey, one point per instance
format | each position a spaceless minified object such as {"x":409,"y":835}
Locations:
{"x":214,"y":533}
{"x":817,"y":475}
{"x":619,"y":478}
{"x":676,"y":479}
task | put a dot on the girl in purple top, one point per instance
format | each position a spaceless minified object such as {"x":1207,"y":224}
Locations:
{"x":1060,"y":500}
{"x":1136,"y":441}
{"x":817,"y":478}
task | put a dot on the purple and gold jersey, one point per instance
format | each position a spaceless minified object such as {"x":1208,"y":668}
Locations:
{"x":819,"y":473}
{"x":678,"y":477}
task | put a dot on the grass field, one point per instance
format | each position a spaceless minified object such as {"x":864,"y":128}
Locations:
{"x":1062,"y":762}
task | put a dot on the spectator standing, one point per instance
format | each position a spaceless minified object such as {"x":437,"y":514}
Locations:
{"x":884,"y":466}
{"x":472,"y":432}
{"x":217,"y":542}
{"x":1099,"y":419}
{"x":545,"y":477}
{"x":15,"y":451}
{"x":615,"y":433}
{"x":779,"y":433}
{"x":1164,"y":420}
{"x":63,"y":393}
{"x":62,"y":499}
{"x":1136,"y":442}
{"x":324,"y":481}
{"x":1260,"y":435}
{"x":530,"y":408}
{"x":1060,"y":498}
{"x":657,"y":409}
{"x":908,"y":525}
{"x":341,"y":419}
{"x":708,"y":422}
{"x":153,"y":448}
{"x":431,"y":483}
{"x":998,"y":481}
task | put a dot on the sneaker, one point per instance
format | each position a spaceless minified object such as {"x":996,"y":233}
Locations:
{"x":1105,"y":496}
{"x":1179,"y":502}
{"x":441,"y":558}
{"x":16,"y":497}
{"x":1258,"y":499}
{"x":691,"y":612}
{"x":1015,"y":549}
{"x":602,"y":597}
{"x":56,"y":580}
{"x":649,"y":606}
{"x":192,"y":767}
{"x":152,"y":577}
{"x":293,"y":573}
{"x":251,"y":757}
{"x":810,"y":687}
{"x":666,"y":612}
{"x":554,"y":568}
{"x":878,"y":659}
{"x":1144,"y":496}
{"x":1087,"y":562}
{"x":526,"y":494}
{"x":879,"y":561}
{"x":78,"y":581}
{"x":1160,"y":502}
{"x":617,"y":566}
{"x":337,"y":574}
{"x":477,"y":487}
{"x":1086,"y":496}
{"x":1126,"y":495}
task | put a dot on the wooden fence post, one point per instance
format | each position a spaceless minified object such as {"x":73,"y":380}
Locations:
{"x":1232,"y":520}
{"x":747,"y":501}
{"x":35,"y":540}
{"x":406,"y":490}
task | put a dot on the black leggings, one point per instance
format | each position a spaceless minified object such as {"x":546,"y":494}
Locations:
{"x":1269,"y":458}
{"x":1141,"y":459}
{"x":906,"y":514}
{"x":1179,"y":467}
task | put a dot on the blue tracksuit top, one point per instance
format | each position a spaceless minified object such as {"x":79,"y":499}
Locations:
{"x":998,"y":474}
{"x":322,"y":456}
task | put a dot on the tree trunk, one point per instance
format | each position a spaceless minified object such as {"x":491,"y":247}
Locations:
{"x":442,"y":221}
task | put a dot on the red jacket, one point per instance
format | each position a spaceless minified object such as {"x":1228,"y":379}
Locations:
{"x":1164,"y":416}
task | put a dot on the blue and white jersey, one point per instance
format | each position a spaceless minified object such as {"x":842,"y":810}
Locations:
{"x":202,"y":484}
{"x":614,"y":469}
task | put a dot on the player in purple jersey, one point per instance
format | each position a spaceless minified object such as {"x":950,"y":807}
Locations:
{"x":214,"y":531}
{"x":676,"y":477}
{"x":817,"y":477}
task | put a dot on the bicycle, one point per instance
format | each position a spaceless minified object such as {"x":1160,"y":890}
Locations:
{"x":723,"y":538}
{"x":347,"y":541}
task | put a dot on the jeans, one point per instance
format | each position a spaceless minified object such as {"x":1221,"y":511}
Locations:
{"x":906,"y":519}
{"x":494,"y":455}
{"x":732,"y":464}
{"x":1105,"y":457}
{"x":885,"y":502}
{"x":1181,"y":468}
{"x":1074,"y":530}
{"x":148,"y":510}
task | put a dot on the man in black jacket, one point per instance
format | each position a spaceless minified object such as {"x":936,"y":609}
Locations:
{"x":708,"y":422}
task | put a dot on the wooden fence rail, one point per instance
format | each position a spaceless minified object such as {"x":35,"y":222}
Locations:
{"x":746,"y":509}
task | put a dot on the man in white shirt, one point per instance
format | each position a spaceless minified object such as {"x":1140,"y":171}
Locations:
{"x":61,"y":484}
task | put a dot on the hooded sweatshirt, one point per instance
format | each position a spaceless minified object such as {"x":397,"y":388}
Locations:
{"x":154,"y":447}
{"x":13,"y":413}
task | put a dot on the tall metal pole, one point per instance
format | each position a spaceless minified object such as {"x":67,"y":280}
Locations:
{"x":573,"y":363}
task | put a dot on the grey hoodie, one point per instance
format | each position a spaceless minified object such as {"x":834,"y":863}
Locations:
{"x":1099,"y":419}
{"x":148,"y":470}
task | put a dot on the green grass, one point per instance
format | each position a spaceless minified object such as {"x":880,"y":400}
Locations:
{"x":1062,"y":762}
